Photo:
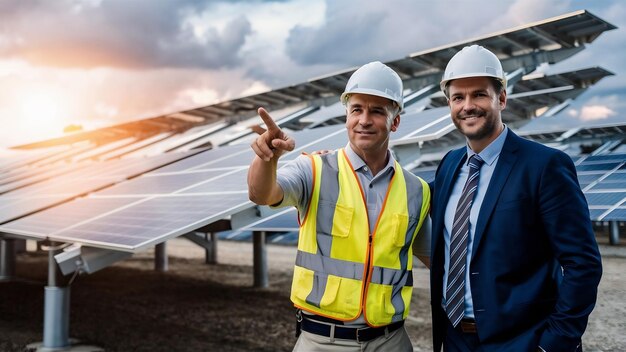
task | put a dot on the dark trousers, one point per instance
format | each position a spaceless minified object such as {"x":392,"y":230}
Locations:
{"x":458,"y":341}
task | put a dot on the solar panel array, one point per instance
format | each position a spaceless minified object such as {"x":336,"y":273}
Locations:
{"x":211,"y":185}
{"x":82,"y":180}
{"x":603,"y":180}
{"x":162,"y":204}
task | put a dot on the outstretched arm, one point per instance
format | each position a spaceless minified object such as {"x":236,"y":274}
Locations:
{"x":268,"y":147}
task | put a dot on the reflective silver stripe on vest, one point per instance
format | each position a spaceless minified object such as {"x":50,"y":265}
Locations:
{"x":329,"y":192}
{"x":330,"y":266}
{"x":398,"y":279}
{"x":414,"y":206}
{"x":386,"y":276}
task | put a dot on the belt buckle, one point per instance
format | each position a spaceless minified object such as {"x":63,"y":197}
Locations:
{"x":358,"y":340}
{"x":468,"y":327}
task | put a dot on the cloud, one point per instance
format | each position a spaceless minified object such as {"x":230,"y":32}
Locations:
{"x":596,"y":112}
{"x":138,"y":34}
{"x":355,"y":33}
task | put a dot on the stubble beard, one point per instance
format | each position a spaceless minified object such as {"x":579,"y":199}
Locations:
{"x":487,"y":129}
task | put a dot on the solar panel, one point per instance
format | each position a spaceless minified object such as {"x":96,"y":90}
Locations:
{"x":208,"y":157}
{"x":422,"y":123}
{"x":596,"y":166}
{"x":618,"y":214}
{"x":604,"y":198}
{"x":587,"y":178}
{"x":596,"y":212}
{"x":159,"y":183}
{"x":57,"y":218}
{"x":52,"y":192}
{"x":284,"y":221}
{"x":607,"y":158}
{"x":151,"y":221}
{"x":325,"y":113}
{"x":229,"y":182}
{"x":13,"y":208}
{"x":617,"y":185}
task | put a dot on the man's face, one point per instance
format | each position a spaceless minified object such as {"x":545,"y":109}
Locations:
{"x":475,"y":108}
{"x":369,"y":120}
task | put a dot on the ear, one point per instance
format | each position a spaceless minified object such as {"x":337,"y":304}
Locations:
{"x":502,"y":99}
{"x":395,"y":123}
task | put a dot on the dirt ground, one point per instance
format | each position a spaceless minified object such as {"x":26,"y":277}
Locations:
{"x":200,"y":307}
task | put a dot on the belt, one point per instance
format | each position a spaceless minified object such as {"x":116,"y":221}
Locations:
{"x":468,"y":326}
{"x":342,"y":332}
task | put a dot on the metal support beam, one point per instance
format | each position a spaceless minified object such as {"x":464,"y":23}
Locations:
{"x":7,"y":259}
{"x":160,"y":257}
{"x":260,"y":260}
{"x":211,"y":251}
{"x":614,"y":233}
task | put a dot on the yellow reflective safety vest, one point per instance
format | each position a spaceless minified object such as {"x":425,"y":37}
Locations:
{"x":341,"y":269}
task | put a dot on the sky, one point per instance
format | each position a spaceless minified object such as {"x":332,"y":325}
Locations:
{"x":96,"y":63}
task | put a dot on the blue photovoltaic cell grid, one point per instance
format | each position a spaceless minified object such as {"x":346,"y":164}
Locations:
{"x":48,"y":193}
{"x":588,"y":178}
{"x":231,"y":182}
{"x":209,"y":157}
{"x":285,"y":221}
{"x":159,"y":183}
{"x":411,"y":123}
{"x":615,"y":185}
{"x":606,"y":198}
{"x":595,"y":213}
{"x":13,"y":208}
{"x":618,"y":214}
{"x":153,"y":221}
{"x":54,"y":219}
{"x":607,"y":158}
{"x":596,"y":166}
{"x":617,"y":176}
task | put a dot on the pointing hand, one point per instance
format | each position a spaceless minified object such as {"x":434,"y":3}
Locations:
{"x":273,"y":142}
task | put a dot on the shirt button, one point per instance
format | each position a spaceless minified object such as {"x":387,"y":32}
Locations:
{"x":365,"y":169}
{"x":371,"y":185}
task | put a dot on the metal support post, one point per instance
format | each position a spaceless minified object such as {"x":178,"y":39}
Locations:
{"x":211,"y":251}
{"x":56,"y":319}
{"x":7,"y":259}
{"x":260,"y":260}
{"x":20,"y":246}
{"x":614,"y":233}
{"x":160,"y":257}
{"x":56,"y":326}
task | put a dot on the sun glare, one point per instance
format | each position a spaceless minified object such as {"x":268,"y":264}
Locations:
{"x":42,"y":113}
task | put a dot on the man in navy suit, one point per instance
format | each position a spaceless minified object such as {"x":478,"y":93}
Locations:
{"x":515,"y":265}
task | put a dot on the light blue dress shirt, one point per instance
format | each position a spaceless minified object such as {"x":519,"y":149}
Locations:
{"x":490,"y":155}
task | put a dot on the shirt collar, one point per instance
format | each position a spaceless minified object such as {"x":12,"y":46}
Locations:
{"x":358,"y":163}
{"x":491,"y":153}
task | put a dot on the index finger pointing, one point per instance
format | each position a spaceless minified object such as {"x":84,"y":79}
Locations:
{"x":267,"y":119}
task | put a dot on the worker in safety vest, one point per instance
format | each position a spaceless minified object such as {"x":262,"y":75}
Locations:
{"x":359,"y":213}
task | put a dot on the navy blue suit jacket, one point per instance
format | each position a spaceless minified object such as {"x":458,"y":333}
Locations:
{"x":535,"y":264}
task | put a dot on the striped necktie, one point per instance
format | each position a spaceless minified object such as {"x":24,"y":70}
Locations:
{"x":455,"y":289}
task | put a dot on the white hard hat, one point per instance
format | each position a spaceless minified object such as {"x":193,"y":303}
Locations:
{"x":473,"y":61}
{"x":376,"y":79}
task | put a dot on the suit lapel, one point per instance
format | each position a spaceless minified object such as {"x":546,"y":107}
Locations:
{"x":506,"y":161}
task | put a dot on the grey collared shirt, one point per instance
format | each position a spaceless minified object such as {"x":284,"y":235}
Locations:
{"x":296,"y":181}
